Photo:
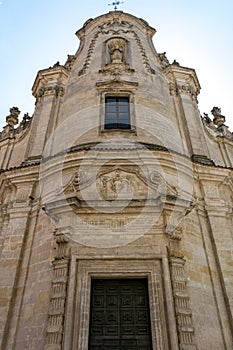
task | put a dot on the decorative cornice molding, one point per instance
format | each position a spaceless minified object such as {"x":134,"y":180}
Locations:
{"x":114,"y":18}
{"x":116,"y":85}
{"x":202,"y":159}
{"x":53,"y":90}
{"x":49,"y":79}
{"x":176,"y":89}
{"x":182,"y":80}
{"x":116,"y":69}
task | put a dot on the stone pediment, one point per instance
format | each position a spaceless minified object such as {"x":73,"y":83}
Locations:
{"x":118,"y":183}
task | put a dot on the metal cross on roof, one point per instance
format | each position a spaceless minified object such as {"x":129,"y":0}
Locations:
{"x":115,"y":4}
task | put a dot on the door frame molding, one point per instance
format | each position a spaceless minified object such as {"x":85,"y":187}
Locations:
{"x":76,"y":328}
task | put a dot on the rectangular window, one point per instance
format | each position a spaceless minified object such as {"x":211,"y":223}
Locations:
{"x":117,"y":114}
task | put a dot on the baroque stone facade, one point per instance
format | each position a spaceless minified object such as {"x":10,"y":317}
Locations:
{"x":116,"y":176}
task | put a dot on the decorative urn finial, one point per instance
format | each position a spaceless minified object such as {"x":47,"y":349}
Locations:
{"x":12,"y":119}
{"x":219,"y":119}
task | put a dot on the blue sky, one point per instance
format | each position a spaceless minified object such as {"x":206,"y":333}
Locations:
{"x":36,"y":34}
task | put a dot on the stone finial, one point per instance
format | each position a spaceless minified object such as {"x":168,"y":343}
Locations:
{"x":175,"y":63}
{"x":24,"y":123}
{"x":116,"y":48}
{"x":12,"y":119}
{"x":219,"y":119}
{"x":218,"y":124}
{"x":207,"y":118}
{"x":57,"y":64}
{"x":163,"y":59}
{"x":70,"y":61}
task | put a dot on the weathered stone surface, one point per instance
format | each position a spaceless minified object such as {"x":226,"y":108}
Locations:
{"x":78,"y":201}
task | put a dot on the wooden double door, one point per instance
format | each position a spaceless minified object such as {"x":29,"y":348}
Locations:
{"x":120,"y":315}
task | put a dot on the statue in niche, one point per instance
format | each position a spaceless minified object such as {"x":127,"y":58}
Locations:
{"x":116,"y":47}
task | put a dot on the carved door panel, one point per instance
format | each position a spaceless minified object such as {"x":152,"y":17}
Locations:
{"x":120,"y":316}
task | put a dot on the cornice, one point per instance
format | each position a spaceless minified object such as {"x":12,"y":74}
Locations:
{"x":200,"y":167}
{"x":18,"y":168}
{"x":50,"y":79}
{"x":116,"y":85}
{"x":182,"y":80}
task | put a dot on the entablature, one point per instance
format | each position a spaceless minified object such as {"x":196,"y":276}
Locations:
{"x":182,"y":80}
{"x":50,"y":81}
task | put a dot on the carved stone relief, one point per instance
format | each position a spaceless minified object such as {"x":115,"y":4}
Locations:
{"x":117,"y":185}
{"x":55,"y":90}
{"x":80,"y":179}
{"x":116,"y":27}
{"x":117,"y":65}
{"x":176,"y":89}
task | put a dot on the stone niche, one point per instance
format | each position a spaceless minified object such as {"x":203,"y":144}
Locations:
{"x":116,"y":56}
{"x":116,"y":49}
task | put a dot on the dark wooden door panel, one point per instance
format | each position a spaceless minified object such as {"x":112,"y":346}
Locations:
{"x":120,"y":316}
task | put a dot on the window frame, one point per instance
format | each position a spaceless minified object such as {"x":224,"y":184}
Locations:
{"x":116,"y":114}
{"x":118,"y":88}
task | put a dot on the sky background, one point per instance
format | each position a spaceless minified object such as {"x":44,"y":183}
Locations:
{"x":36,"y":34}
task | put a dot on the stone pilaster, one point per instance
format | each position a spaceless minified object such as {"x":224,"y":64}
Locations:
{"x":60,"y":263}
{"x":184,"y":87}
{"x":48,"y":90}
{"x":183,"y":311}
{"x":13,"y":240}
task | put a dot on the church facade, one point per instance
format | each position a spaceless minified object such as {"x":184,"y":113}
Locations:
{"x":116,"y":204}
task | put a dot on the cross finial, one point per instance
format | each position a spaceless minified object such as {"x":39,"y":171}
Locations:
{"x":115,"y":4}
